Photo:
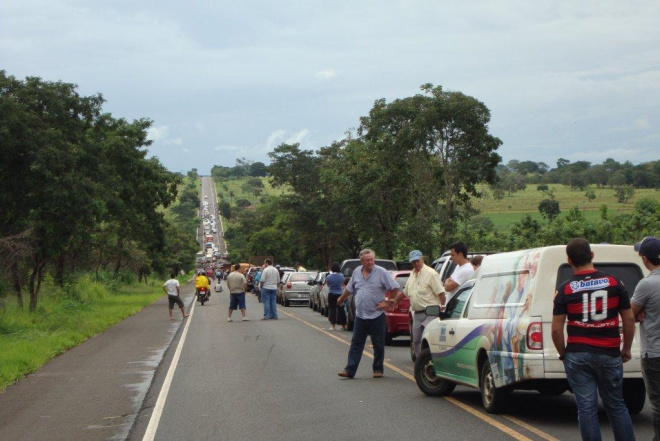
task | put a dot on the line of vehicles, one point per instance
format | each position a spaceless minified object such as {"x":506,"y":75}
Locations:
{"x":495,"y":332}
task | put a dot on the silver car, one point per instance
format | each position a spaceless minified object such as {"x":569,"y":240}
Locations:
{"x":294,"y":288}
{"x":316,"y":285}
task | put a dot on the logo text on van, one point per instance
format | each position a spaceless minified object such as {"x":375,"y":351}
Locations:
{"x":583,"y":285}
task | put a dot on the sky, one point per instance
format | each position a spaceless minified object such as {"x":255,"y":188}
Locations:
{"x":225,"y":80}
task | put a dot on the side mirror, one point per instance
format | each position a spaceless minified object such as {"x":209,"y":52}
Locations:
{"x":433,"y":311}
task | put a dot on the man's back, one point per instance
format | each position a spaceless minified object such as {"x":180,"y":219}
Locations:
{"x":235,"y":282}
{"x":270,"y":277}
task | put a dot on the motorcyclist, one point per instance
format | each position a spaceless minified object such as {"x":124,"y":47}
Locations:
{"x":201,"y":281}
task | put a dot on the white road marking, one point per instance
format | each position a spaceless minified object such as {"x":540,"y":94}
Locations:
{"x":150,"y":434}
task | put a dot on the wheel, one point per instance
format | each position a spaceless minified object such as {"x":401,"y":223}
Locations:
{"x":426,"y":379}
{"x":492,"y":398}
{"x":551,"y":390}
{"x":388,"y":339}
{"x":634,"y":394}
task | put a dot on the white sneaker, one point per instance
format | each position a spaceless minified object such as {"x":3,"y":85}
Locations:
{"x":229,"y":320}
{"x":245,"y":319}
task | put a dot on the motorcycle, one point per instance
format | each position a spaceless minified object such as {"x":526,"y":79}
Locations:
{"x":202,"y":295}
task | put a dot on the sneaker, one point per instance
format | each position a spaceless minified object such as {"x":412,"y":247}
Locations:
{"x":245,"y":319}
{"x":378,"y":374}
{"x":229,"y":320}
{"x":265,"y":318}
{"x":345,"y":374}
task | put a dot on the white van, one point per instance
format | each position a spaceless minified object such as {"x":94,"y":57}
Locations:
{"x":495,"y":333}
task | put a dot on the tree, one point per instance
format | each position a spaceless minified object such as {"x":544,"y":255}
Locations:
{"x":624,"y":193}
{"x":591,"y":195}
{"x":448,"y":128}
{"x":549,"y":209}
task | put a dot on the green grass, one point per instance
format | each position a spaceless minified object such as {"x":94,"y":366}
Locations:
{"x":64,"y":319}
{"x":234,"y":185}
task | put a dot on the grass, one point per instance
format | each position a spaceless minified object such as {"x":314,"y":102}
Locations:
{"x":223,"y":189}
{"x":64,"y":319}
{"x":513,"y":207}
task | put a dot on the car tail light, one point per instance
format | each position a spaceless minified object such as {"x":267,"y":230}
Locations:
{"x":535,"y":335}
{"x":288,"y":285}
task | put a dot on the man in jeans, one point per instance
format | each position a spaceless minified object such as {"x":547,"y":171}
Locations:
{"x":237,"y":285}
{"x":368,"y":284}
{"x":593,"y":302}
{"x":270,"y":278}
{"x":646,"y":309}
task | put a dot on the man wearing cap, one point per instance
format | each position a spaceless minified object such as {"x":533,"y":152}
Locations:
{"x":424,"y":288}
{"x":646,"y":309}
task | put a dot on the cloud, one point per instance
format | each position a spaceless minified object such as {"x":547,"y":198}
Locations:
{"x":175,"y":141}
{"x":226,"y":147}
{"x":185,"y":150}
{"x":642,"y":123}
{"x":159,"y":133}
{"x":275,"y":138}
{"x":297,"y":137}
{"x":326,"y":74}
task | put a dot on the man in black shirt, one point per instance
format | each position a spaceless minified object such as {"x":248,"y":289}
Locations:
{"x":593,"y":301}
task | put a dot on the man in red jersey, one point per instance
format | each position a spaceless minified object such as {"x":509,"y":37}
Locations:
{"x":593,"y":301}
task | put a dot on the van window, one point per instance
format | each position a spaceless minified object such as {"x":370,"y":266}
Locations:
{"x":500,"y":294}
{"x":629,"y":273}
{"x":457,"y":302}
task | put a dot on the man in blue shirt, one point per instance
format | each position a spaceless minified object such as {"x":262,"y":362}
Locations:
{"x":369,"y":284}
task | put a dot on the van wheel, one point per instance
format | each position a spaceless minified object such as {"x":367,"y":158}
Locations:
{"x":634,"y":394}
{"x":426,"y":379}
{"x":493,"y":398}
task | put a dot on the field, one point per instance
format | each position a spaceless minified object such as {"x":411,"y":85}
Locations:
{"x":224,"y":188}
{"x":513,"y":207}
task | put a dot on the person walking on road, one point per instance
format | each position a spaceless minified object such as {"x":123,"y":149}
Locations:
{"x":463,"y":270}
{"x":593,"y":302}
{"x":257,"y":279}
{"x":336,"y":314}
{"x":173,"y":291}
{"x":424,"y":288}
{"x":270,"y":279}
{"x":369,"y":284}
{"x":646,"y":309}
{"x":237,"y":284}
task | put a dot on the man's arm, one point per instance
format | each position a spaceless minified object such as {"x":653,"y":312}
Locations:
{"x":178,"y":291}
{"x":637,"y":312}
{"x":164,"y":289}
{"x":558,"y":334}
{"x":450,"y":284}
{"x":628,"y":322}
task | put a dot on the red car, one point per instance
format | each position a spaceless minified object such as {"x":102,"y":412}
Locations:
{"x":397,"y":321}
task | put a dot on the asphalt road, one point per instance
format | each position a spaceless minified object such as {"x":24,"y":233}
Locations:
{"x":277,"y":380}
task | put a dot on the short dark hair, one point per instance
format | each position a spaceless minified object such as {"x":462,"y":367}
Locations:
{"x":346,"y":280}
{"x":335,"y":267}
{"x":268,"y":261}
{"x":173,"y":276}
{"x":579,"y":251}
{"x":476,"y":260}
{"x":459,"y":247}
{"x":237,"y":266}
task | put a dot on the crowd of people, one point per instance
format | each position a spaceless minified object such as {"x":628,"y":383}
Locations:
{"x":593,"y":354}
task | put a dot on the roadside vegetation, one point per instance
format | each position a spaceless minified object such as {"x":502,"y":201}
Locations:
{"x":66,"y":316}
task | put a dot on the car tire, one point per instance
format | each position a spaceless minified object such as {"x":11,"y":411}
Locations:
{"x":634,"y":394}
{"x":426,"y":379}
{"x":492,"y":398}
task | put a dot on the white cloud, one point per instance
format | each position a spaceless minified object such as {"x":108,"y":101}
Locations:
{"x":642,"y":123}
{"x":275,"y":138}
{"x":297,"y":137}
{"x":326,"y":74}
{"x":175,"y":141}
{"x":159,"y":133}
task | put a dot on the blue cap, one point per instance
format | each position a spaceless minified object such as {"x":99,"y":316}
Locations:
{"x":650,"y":248}
{"x":414,"y":255}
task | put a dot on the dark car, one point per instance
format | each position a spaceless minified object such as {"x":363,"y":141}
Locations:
{"x":397,"y":321}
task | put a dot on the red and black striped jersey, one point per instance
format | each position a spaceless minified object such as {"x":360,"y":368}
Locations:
{"x":591,"y":301}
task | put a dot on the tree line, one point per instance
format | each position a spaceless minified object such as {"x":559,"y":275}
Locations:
{"x":404,"y":180}
{"x":79,"y":192}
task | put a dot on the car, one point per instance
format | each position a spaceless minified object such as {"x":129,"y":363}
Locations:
{"x":294,"y":287}
{"x":323,"y":300}
{"x":316,"y":285}
{"x":396,"y":322}
{"x":495,"y":334}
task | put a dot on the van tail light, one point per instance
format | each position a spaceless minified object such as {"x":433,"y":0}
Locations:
{"x":288,"y":285}
{"x":535,"y":335}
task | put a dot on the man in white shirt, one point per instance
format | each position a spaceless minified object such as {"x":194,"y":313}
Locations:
{"x":463,"y":270}
{"x":424,"y":288}
{"x":270,"y":278}
{"x":171,"y":288}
